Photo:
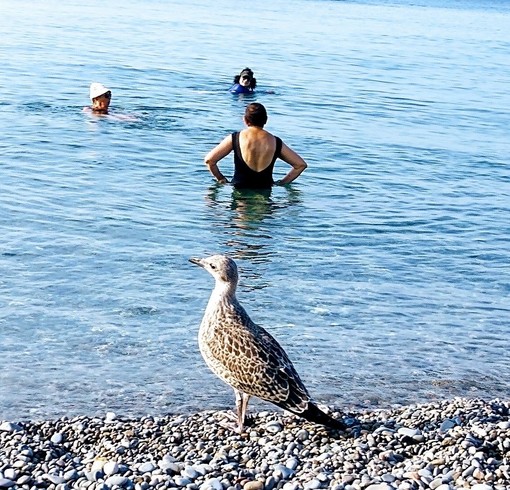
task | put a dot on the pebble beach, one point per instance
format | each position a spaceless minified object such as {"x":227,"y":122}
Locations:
{"x":459,"y":443}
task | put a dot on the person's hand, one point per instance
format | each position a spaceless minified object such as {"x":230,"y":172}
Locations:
{"x":224,"y":180}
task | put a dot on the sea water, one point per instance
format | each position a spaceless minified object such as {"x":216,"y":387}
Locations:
{"x":384,"y":270}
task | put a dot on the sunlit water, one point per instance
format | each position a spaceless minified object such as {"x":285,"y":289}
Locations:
{"x":384,"y":270}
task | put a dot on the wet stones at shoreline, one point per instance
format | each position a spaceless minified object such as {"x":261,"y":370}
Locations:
{"x":445,"y":445}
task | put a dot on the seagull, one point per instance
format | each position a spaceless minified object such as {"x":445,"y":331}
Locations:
{"x":247,"y":357}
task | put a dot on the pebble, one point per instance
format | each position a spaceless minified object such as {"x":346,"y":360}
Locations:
{"x":213,"y":483}
{"x":442,"y":445}
{"x":190,"y":472}
{"x":71,"y":475}
{"x":57,"y":438}
{"x":254,"y":485}
{"x":146,"y":467}
{"x":10,"y":427}
{"x":23,"y":479}
{"x":117,"y":480}
{"x":282,"y":471}
{"x":273,"y":427}
{"x":110,"y":417}
{"x":56,"y":479}
{"x":404,"y":431}
{"x":313,"y":484}
{"x":110,"y":468}
{"x":10,"y":474}
{"x":181,"y":481}
{"x":447,"y":425}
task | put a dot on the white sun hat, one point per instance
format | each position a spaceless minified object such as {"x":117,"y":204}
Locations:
{"x":97,"y":89}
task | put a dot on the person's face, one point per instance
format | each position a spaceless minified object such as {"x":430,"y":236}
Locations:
{"x":245,"y":80}
{"x":102,"y":102}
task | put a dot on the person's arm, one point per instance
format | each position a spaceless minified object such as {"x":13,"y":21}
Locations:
{"x":215,"y":155}
{"x":292,"y":158}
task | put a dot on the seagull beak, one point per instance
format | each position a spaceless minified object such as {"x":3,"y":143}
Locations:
{"x":193,"y":260}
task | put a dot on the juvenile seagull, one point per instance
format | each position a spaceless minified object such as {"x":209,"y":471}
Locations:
{"x":246,"y":356}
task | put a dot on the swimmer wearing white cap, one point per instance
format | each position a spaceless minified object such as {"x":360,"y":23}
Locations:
{"x":100,"y":97}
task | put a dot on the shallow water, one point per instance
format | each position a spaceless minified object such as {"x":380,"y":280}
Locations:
{"x":383,"y":270}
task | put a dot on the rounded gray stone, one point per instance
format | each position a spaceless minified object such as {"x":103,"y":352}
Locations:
{"x":56,"y":479}
{"x":57,"y":438}
{"x":146,"y":467}
{"x":10,"y":427}
{"x":313,"y":484}
{"x":120,"y":481}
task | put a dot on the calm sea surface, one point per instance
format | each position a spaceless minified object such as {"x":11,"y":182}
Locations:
{"x":384,"y":270}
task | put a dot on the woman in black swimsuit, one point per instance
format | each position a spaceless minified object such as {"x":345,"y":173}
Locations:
{"x":255,"y":152}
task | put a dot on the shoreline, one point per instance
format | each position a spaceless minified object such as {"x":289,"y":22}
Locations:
{"x":443,"y":445}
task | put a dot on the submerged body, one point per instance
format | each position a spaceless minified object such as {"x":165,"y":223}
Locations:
{"x":245,"y":356}
{"x":237,"y":88}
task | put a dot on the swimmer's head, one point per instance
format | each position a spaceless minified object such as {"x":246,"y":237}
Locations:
{"x":255,"y":115}
{"x":100,"y":97}
{"x":246,"y":79}
{"x":98,"y":89}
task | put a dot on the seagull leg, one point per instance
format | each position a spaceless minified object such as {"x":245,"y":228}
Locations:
{"x":237,"y":419}
{"x":242,"y":400}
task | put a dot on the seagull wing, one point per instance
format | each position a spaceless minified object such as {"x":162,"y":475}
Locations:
{"x":249,"y":359}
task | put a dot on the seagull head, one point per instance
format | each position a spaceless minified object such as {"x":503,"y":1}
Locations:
{"x":221,"y":267}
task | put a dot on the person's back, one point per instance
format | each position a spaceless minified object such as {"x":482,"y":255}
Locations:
{"x":255,"y":152}
{"x":257,"y":147}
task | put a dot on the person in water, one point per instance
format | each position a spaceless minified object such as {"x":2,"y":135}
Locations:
{"x":255,"y":153}
{"x":244,"y":83}
{"x":100,"y":96}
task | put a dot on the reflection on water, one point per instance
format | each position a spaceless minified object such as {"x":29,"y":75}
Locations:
{"x":249,"y":221}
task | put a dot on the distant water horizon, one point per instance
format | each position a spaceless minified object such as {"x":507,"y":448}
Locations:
{"x":383,"y":270}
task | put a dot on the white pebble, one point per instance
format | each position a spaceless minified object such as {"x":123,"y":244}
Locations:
{"x":118,"y":480}
{"x":57,"y":438}
{"x":313,"y":484}
{"x":189,"y":472}
{"x":182,"y":482}
{"x":291,"y":486}
{"x":273,"y":427}
{"x":213,"y":483}
{"x":409,"y":432}
{"x":146,"y":467}
{"x":10,"y":474}
{"x":110,"y":416}
{"x":10,"y":427}
{"x":110,"y":468}
{"x":283,"y":471}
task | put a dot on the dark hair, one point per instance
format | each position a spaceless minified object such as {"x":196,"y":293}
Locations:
{"x":255,"y":114}
{"x":249,"y":72}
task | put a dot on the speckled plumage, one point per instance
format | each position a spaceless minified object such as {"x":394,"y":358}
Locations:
{"x":246,"y":356}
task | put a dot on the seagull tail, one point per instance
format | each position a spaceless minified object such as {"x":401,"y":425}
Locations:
{"x":314,"y":414}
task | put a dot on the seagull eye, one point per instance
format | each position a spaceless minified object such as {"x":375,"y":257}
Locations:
{"x":213,"y":267}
